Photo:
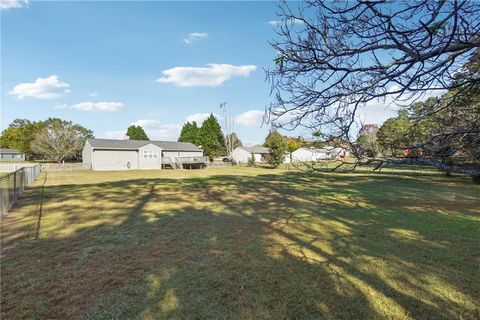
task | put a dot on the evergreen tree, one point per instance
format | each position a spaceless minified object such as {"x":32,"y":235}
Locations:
{"x":190,"y":133}
{"x":211,"y":138}
{"x":136,"y":133}
{"x":278,"y":146}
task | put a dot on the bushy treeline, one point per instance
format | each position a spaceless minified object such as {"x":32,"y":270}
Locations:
{"x":51,"y":139}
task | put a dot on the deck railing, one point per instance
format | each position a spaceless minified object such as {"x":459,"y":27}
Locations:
{"x":193,"y":159}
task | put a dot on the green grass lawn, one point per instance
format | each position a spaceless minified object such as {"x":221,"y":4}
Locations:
{"x":243,"y":243}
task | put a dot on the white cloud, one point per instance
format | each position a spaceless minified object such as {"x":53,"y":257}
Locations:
{"x":164,"y":132}
{"x":200,"y":117}
{"x":98,"y":106}
{"x":195,"y":36}
{"x":93,"y":94}
{"x":146,"y":123}
{"x":9,"y":4}
{"x":250,"y":118}
{"x":43,"y":88}
{"x":275,"y":23}
{"x":158,"y":131}
{"x":115,"y":134}
{"x":213,"y":75}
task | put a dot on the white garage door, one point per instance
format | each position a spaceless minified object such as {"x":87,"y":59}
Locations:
{"x":115,"y":160}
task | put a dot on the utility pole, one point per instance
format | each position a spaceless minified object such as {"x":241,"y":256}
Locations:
{"x":228,"y":127}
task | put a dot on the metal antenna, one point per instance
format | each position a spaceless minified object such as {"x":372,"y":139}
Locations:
{"x":228,"y":127}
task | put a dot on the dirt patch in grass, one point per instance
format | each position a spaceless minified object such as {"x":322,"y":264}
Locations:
{"x":243,"y":243}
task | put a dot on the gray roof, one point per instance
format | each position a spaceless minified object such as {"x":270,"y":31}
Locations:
{"x":256,"y":149}
{"x":7,"y":150}
{"x":135,"y":144}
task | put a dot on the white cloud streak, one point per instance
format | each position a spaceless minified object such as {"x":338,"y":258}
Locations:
{"x":195,"y":36}
{"x":13,"y":4}
{"x":98,"y":106}
{"x":213,"y":75}
{"x":43,"y":88}
{"x":275,"y":23}
{"x":200,"y":117}
{"x":250,"y":118}
{"x":146,"y":123}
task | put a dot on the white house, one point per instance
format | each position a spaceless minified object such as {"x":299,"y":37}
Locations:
{"x":106,"y":154}
{"x":244,"y":154}
{"x":315,"y":154}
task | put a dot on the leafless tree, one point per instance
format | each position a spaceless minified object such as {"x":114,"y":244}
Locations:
{"x":337,"y":57}
{"x":57,"y":143}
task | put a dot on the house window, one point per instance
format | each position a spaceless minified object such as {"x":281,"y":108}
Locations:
{"x":149,"y":154}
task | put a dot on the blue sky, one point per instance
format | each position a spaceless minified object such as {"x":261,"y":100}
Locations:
{"x":107,"y":65}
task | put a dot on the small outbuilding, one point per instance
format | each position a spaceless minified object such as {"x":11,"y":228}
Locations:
{"x":11,"y":155}
{"x":107,"y":154}
{"x":242,"y":155}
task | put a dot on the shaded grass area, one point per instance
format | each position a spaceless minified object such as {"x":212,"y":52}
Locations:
{"x":243,"y":243}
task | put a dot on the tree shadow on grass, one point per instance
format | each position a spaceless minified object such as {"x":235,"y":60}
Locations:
{"x":266,"y":246}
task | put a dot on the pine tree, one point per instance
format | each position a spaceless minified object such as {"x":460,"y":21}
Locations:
{"x":136,"y":133}
{"x":211,"y":138}
{"x":190,"y":133}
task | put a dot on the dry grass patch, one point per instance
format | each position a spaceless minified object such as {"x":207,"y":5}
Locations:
{"x":243,"y":243}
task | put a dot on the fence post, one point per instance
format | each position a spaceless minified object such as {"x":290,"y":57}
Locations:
{"x":14,"y":186}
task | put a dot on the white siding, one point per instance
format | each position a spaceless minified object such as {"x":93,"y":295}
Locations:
{"x":288,"y":158}
{"x":240,"y":155}
{"x":328,"y":153}
{"x":87,"y":154}
{"x":114,"y":160}
{"x":150,"y":157}
{"x":258,"y":158}
{"x":303,"y":154}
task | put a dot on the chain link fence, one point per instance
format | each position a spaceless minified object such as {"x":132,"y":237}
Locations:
{"x":13,"y":183}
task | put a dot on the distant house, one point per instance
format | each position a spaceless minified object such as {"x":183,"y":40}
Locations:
{"x":316,"y":154}
{"x":106,"y":154}
{"x":244,"y":154}
{"x":11,"y":155}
